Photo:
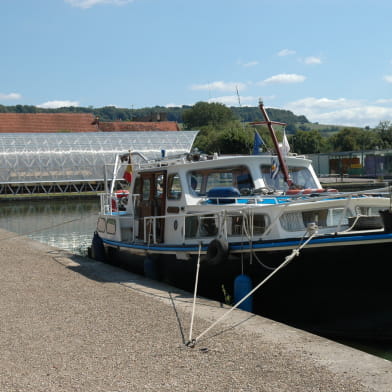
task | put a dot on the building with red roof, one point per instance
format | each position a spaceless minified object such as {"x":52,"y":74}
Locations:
{"x":74,"y":122}
{"x":46,"y":122}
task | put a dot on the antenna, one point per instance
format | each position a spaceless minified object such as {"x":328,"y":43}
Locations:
{"x":238,"y":96}
{"x":239,"y":104}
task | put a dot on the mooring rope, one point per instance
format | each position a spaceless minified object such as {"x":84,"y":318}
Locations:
{"x":249,"y":237}
{"x":312,"y":230}
{"x":195,"y":292}
{"x":354,"y":223}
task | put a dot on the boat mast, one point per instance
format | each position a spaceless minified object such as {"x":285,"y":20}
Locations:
{"x":282,"y":163}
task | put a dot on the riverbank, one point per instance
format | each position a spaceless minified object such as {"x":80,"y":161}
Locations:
{"x":351,"y":184}
{"x":50,"y":196}
{"x":70,"y":323}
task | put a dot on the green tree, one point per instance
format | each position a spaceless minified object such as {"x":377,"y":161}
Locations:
{"x":207,"y":114}
{"x":384,"y":132}
{"x":354,"y":139}
{"x":235,"y":139}
{"x":308,"y":142}
{"x":231,"y":138}
{"x":206,"y":139}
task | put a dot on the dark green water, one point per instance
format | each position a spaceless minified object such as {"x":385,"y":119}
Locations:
{"x":383,"y":350}
{"x":66,"y":224}
{"x":70,"y":224}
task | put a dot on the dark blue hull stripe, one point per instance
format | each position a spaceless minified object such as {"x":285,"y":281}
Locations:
{"x":191,"y":248}
{"x":357,"y":239}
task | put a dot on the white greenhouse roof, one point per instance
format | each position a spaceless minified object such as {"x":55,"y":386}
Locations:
{"x":56,"y":157}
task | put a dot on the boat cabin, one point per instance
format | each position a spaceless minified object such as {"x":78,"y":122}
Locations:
{"x":178,"y":200}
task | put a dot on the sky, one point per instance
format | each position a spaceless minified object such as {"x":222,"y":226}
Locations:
{"x":330,"y":60}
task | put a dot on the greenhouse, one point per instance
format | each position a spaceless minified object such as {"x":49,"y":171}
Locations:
{"x":64,"y":162}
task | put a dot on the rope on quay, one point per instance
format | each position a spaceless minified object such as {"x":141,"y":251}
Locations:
{"x":195,"y":294}
{"x":312,"y":230}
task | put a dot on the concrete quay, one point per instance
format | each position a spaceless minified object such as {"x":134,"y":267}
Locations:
{"x":69,"y":323}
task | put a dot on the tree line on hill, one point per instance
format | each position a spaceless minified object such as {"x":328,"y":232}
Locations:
{"x":227,"y":130}
{"x":112,"y":113}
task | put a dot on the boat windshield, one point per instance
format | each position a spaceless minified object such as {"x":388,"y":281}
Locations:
{"x":301,"y":177}
{"x":203,"y":180}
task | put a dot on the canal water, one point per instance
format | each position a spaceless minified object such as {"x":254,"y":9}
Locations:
{"x":69,"y":224}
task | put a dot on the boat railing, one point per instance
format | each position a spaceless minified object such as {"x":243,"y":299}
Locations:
{"x":222,"y":222}
{"x":253,"y":199}
{"x":113,"y":202}
{"x":195,"y":225}
{"x":106,"y":204}
{"x":202,"y":226}
{"x":159,"y":163}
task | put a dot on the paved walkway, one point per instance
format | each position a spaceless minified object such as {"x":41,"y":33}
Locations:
{"x":72,"y":324}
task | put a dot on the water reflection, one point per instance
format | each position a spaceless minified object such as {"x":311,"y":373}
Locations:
{"x":66,"y":224}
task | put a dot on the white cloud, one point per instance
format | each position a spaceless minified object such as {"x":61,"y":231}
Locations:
{"x":388,"y":78}
{"x":384,"y":100}
{"x":284,"y":78}
{"x":286,"y":52}
{"x":341,"y":111}
{"x":91,"y":3}
{"x":318,"y":104}
{"x":10,"y":96}
{"x":312,"y":60}
{"x":57,"y":104}
{"x":248,"y":64}
{"x":232,"y":100}
{"x":251,"y":64}
{"x":358,"y":116}
{"x":176,"y":105}
{"x":220,"y":86}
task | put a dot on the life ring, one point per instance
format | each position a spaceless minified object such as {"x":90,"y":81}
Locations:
{"x":217,"y":251}
{"x":120,"y":199}
{"x":121,"y":193}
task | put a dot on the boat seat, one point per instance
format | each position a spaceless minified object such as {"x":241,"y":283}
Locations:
{"x":222,"y":195}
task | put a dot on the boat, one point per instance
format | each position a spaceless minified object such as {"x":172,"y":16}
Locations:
{"x":220,"y":217}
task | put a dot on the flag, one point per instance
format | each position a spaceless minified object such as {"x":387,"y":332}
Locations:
{"x":274,"y":168}
{"x":285,"y":145}
{"x":128,"y":173}
{"x":257,"y":143}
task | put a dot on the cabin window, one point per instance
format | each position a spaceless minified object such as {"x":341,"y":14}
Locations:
{"x":146,"y":188}
{"x":136,"y":188}
{"x":240,"y":225}
{"x":335,"y":216}
{"x":174,"y":187}
{"x":111,"y":226}
{"x":301,"y":177}
{"x":159,"y":185}
{"x":201,"y":181}
{"x":101,"y":225}
{"x":324,"y":218}
{"x":360,"y":210}
{"x":201,"y":226}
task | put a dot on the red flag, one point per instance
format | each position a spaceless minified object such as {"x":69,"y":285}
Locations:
{"x":128,"y":173}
